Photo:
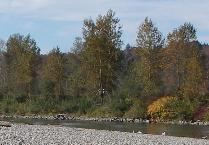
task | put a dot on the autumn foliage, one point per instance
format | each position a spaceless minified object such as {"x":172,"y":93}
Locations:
{"x":159,"y":109}
{"x":101,"y":78}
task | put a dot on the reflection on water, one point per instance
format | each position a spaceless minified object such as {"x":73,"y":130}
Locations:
{"x":170,"y":129}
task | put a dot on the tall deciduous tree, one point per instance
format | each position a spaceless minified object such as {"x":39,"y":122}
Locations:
{"x":3,"y":69}
{"x":149,"y":44}
{"x":183,"y":60}
{"x":77,"y":46}
{"x":102,"y":55}
{"x":54,"y":71}
{"x":76,"y":77}
{"x":22,"y":53}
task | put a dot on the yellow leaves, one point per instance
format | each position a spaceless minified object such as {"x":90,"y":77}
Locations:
{"x":158,"y":109}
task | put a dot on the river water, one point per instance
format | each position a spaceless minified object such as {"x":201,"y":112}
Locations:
{"x":194,"y":131}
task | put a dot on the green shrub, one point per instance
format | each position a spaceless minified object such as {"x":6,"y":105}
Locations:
{"x":84,"y":104}
{"x":182,"y":109}
{"x":8,"y":105}
{"x":1,"y":96}
{"x":21,"y":98}
{"x":102,"y":111}
{"x":137,"y":110}
{"x":120,"y":105}
{"x":22,"y":108}
{"x":67,"y":106}
{"x":206,"y":116}
{"x":43,"y":105}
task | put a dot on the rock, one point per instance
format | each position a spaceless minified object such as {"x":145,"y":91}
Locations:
{"x":60,"y":117}
{"x":48,"y":134}
{"x":5,"y":124}
{"x":136,"y":120}
{"x":129,"y":120}
{"x":139,"y":132}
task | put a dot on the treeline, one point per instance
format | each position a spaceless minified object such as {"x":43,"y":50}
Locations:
{"x":158,"y":78}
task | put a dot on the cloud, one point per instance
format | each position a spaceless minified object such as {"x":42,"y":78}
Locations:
{"x":167,"y":14}
{"x":77,"y":10}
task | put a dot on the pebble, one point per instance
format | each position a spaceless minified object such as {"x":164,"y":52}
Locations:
{"x":57,"y":135}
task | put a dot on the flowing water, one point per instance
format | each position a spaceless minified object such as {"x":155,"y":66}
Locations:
{"x":194,"y":131}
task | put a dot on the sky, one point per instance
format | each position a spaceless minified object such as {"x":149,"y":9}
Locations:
{"x":57,"y":22}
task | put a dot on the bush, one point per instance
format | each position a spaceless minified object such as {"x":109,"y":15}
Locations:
{"x":1,"y":96}
{"x":119,"y":106}
{"x":21,"y":98}
{"x":42,"y":105}
{"x":172,"y":108}
{"x":137,"y":110}
{"x":183,"y":109}
{"x":22,"y":108}
{"x":67,"y":106}
{"x":8,"y":105}
{"x":84,"y":104}
{"x":206,"y":116}
{"x":102,"y":111}
{"x":160,"y":109}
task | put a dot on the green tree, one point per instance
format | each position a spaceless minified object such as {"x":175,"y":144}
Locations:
{"x":77,"y":46}
{"x":54,"y":71}
{"x":76,"y":77}
{"x":149,"y":45}
{"x":3,"y":69}
{"x":21,"y":55}
{"x":101,"y":56}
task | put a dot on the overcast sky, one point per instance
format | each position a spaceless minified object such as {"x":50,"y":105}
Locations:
{"x":58,"y":22}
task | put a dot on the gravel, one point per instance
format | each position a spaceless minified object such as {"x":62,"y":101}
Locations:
{"x":48,"y":134}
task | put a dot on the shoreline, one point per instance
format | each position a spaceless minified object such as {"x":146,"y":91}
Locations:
{"x":51,"y":134}
{"x":104,"y":119}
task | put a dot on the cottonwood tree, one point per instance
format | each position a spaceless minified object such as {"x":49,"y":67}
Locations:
{"x":21,"y":56}
{"x":54,"y":71}
{"x":77,"y":46}
{"x":149,"y":44}
{"x":194,"y":83}
{"x":3,"y":70}
{"x":183,"y":60}
{"x":76,"y":77}
{"x":101,"y":56}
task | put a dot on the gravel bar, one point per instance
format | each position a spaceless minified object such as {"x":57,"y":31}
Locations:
{"x":59,"y":135}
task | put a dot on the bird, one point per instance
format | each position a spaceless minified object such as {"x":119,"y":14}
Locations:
{"x":139,"y":132}
{"x":163,"y":133}
{"x":204,"y":137}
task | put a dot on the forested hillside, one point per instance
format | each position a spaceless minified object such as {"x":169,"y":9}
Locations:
{"x":161,"y":77}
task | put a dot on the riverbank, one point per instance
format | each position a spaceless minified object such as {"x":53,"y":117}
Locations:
{"x":104,"y":119}
{"x":48,"y":134}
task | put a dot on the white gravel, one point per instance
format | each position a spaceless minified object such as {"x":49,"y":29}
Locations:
{"x":48,"y":134}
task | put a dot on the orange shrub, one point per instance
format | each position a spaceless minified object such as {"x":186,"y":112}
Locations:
{"x":160,"y":109}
